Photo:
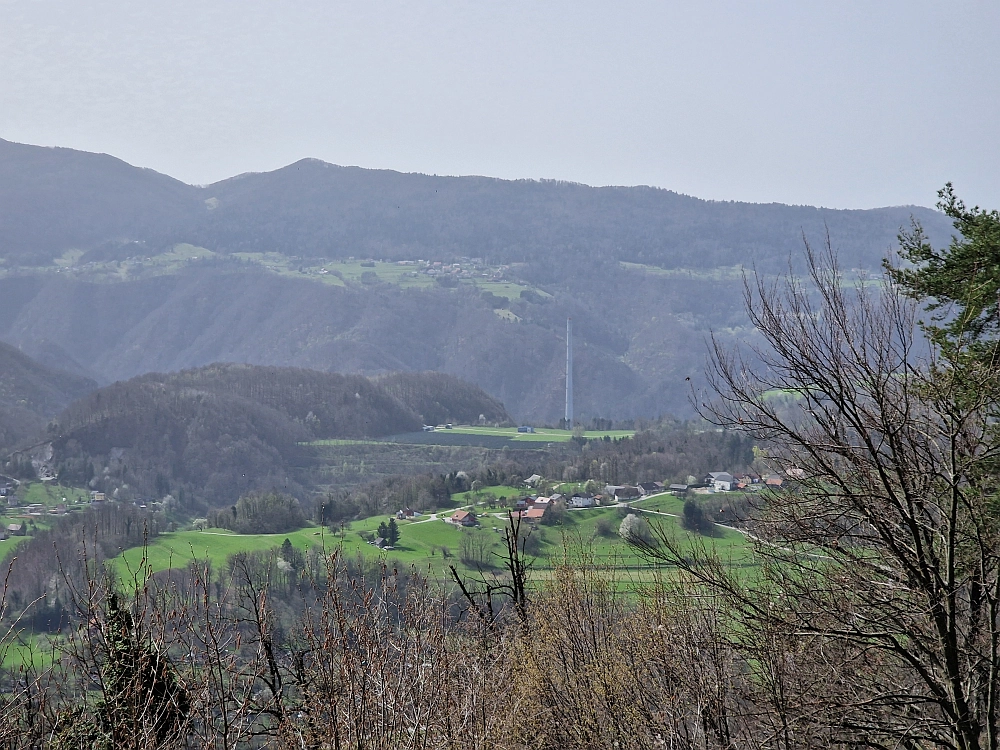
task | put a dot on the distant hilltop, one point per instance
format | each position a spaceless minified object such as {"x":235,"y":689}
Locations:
{"x":54,"y":199}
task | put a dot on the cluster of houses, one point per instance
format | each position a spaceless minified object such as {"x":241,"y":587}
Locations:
{"x":723,"y":481}
{"x":532,"y":508}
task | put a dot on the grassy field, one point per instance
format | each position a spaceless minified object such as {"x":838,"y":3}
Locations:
{"x":460,"y":436}
{"x":51,"y":494}
{"x":541,"y":434}
{"x":177,"y":549}
{"x":485,"y":437}
{"x":429,"y":543}
{"x":27,"y":649}
{"x":499,"y":492}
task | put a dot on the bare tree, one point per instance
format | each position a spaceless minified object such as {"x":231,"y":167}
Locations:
{"x":873,"y":618}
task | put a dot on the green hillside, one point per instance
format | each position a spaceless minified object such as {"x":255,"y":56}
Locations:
{"x":431,"y":544}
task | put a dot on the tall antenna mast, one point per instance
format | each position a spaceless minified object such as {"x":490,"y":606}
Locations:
{"x":569,"y":373}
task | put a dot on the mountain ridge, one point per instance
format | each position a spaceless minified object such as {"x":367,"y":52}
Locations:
{"x":646,"y":273}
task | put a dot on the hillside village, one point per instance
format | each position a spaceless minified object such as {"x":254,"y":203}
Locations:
{"x":537,"y":507}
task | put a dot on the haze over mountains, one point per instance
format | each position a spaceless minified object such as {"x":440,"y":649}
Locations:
{"x":92,"y":282}
{"x":31,"y":394}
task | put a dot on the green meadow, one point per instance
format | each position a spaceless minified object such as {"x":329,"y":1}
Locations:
{"x":541,"y":434}
{"x":431,"y":544}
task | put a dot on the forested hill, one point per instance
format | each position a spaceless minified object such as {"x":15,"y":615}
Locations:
{"x":31,"y":393}
{"x":55,"y":200}
{"x":312,"y":208}
{"x":222,"y":430}
{"x":58,"y":199}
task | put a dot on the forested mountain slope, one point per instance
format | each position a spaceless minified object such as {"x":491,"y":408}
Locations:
{"x":204,"y":315}
{"x":216,"y":432}
{"x":31,"y":393}
{"x":312,"y":208}
{"x":57,"y":199}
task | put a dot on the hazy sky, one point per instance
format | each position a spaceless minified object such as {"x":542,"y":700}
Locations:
{"x":843,"y":104}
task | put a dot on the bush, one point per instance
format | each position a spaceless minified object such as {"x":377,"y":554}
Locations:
{"x":695,"y":520}
{"x":604,"y":527}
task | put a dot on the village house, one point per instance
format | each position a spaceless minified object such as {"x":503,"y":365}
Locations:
{"x":650,"y":488}
{"x":622,"y":492}
{"x":463,"y":518}
{"x":720,"y":481}
{"x":533,"y":480}
{"x":533,"y":514}
{"x":582,"y":501}
{"x":678,"y":489}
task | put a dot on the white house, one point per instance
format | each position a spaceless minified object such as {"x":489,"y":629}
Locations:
{"x":582,"y":501}
{"x":721,"y":481}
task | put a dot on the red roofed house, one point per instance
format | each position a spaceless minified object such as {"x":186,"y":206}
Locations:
{"x":533,"y":514}
{"x":463,"y":518}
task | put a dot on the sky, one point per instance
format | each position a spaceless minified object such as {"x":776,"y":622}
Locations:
{"x":840,"y":104}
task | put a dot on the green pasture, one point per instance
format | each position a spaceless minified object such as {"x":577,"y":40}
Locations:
{"x":427,"y":543}
{"x":179,"y":548}
{"x":662,"y":503}
{"x":499,"y":492}
{"x":50,"y":494}
{"x":26,"y":650}
{"x":9,"y":545}
{"x":507,"y":289}
{"x":541,"y":434}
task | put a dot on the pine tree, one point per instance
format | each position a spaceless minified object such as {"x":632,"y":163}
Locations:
{"x":392,"y":532}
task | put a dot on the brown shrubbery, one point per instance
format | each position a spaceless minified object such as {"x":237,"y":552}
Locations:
{"x":383,"y":658}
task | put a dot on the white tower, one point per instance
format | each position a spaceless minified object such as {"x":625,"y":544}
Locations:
{"x":569,"y":373}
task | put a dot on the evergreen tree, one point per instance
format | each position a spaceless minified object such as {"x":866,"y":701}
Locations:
{"x":961,"y":283}
{"x":392,"y":532}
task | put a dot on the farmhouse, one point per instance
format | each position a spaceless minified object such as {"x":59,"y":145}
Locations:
{"x":720,"y":481}
{"x":650,"y":488}
{"x":582,"y":501}
{"x":622,"y":492}
{"x":533,"y":480}
{"x":463,"y":518}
